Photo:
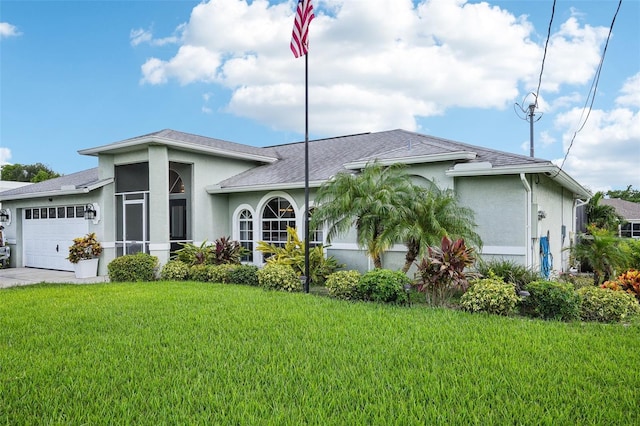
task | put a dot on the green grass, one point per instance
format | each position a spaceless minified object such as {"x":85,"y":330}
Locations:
{"x":193,"y":353}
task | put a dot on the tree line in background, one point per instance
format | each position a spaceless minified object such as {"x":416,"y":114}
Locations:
{"x":33,"y":173}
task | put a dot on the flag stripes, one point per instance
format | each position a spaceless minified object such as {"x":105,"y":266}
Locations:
{"x":299,"y":37}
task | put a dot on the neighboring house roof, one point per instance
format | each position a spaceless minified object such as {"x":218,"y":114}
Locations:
{"x":75,"y":183}
{"x":5,"y":185}
{"x":627,"y":209}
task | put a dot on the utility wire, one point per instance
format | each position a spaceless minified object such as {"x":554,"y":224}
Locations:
{"x":592,"y":90}
{"x":544,"y":56}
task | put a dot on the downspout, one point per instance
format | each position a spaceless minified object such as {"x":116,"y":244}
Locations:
{"x":527,"y":188}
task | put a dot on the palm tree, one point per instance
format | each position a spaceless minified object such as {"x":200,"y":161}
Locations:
{"x":370,"y":201}
{"x":602,"y":215}
{"x":433,"y":214}
{"x":602,"y":250}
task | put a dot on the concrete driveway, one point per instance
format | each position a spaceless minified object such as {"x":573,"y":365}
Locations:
{"x":12,"y":277}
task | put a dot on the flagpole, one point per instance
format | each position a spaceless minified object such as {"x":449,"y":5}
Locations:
{"x":306,"y":172}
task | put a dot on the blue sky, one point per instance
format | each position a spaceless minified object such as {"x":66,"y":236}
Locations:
{"x":79,"y":74}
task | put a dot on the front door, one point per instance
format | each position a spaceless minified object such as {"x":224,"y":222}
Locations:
{"x":135,"y":227}
{"x":177,"y":222}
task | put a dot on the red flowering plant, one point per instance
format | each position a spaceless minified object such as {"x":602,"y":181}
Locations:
{"x":83,"y":248}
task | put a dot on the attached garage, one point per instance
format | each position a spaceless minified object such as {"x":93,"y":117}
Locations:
{"x":47,"y":234}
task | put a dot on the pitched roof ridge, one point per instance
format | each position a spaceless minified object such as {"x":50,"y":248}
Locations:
{"x":318,"y":140}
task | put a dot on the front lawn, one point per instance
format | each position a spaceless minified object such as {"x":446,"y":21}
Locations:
{"x":195,"y":353}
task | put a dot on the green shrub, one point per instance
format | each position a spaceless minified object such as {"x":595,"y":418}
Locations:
{"x":604,"y":305}
{"x":279,"y":277}
{"x":577,"y":280}
{"x":384,"y":285}
{"x":490,"y":295}
{"x":174,"y":270}
{"x":344,"y":285}
{"x":220,"y":273}
{"x":133,"y":267}
{"x":244,"y":274}
{"x":551,"y":300}
{"x":510,"y":271}
{"x":199,"y":272}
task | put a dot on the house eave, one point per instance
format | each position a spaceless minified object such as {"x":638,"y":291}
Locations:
{"x":216,"y":189}
{"x":64,"y":190}
{"x":415,"y":159}
{"x":551,"y":171}
{"x":133,"y":144}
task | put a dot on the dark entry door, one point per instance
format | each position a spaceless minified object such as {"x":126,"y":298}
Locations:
{"x":177,"y":222}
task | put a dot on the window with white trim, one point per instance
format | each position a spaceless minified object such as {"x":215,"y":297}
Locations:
{"x":277,"y":215}
{"x":315,"y":235}
{"x":245,"y":227}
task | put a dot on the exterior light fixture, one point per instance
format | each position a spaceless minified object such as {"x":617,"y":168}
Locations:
{"x":89,"y":212}
{"x":541,"y":214}
{"x":407,"y":290}
{"x":5,"y":215}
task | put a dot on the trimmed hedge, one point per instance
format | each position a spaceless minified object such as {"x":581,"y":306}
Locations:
{"x":174,"y":270}
{"x":604,"y":305}
{"x":551,"y":300}
{"x":490,"y":295}
{"x":344,"y":284}
{"x":384,"y":285}
{"x":133,"y":268}
{"x":279,"y":277}
{"x":244,"y":274}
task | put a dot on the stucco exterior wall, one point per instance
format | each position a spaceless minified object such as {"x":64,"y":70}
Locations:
{"x":499,"y":203}
{"x":558,"y":223}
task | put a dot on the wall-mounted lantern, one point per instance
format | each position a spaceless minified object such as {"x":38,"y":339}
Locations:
{"x":5,"y":215}
{"x":89,"y":212}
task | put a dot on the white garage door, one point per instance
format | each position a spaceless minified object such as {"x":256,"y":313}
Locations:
{"x":47,"y":234}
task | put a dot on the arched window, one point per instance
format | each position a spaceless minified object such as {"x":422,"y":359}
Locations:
{"x":315,"y":235}
{"x":176,"y":186}
{"x":245,"y":226}
{"x":278,"y":214}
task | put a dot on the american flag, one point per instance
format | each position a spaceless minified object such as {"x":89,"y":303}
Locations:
{"x":299,"y":37}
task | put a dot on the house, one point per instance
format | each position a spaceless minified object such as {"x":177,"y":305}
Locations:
{"x":630,"y":211}
{"x":152,"y":192}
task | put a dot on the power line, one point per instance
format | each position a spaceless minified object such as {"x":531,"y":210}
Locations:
{"x":544,"y":56}
{"x":592,"y":90}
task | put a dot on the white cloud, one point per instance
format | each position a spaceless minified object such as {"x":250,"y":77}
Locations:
{"x":8,"y":30}
{"x":630,"y":92}
{"x":139,"y":36}
{"x":373,"y":65}
{"x":5,"y":156}
{"x":606,"y":152}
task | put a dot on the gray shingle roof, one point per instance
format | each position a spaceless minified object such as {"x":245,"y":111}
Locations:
{"x":185,"y":139}
{"x":77,"y":180}
{"x":627,"y":209}
{"x":327,"y":157}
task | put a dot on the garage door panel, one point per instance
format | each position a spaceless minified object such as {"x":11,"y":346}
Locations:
{"x":47,"y":241}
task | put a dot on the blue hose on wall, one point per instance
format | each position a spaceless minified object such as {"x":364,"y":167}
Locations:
{"x":546,"y":258}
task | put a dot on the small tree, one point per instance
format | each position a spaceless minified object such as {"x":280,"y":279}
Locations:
{"x":603,"y":251}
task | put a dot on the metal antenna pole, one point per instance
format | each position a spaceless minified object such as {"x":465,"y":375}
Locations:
{"x":532,"y":113}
